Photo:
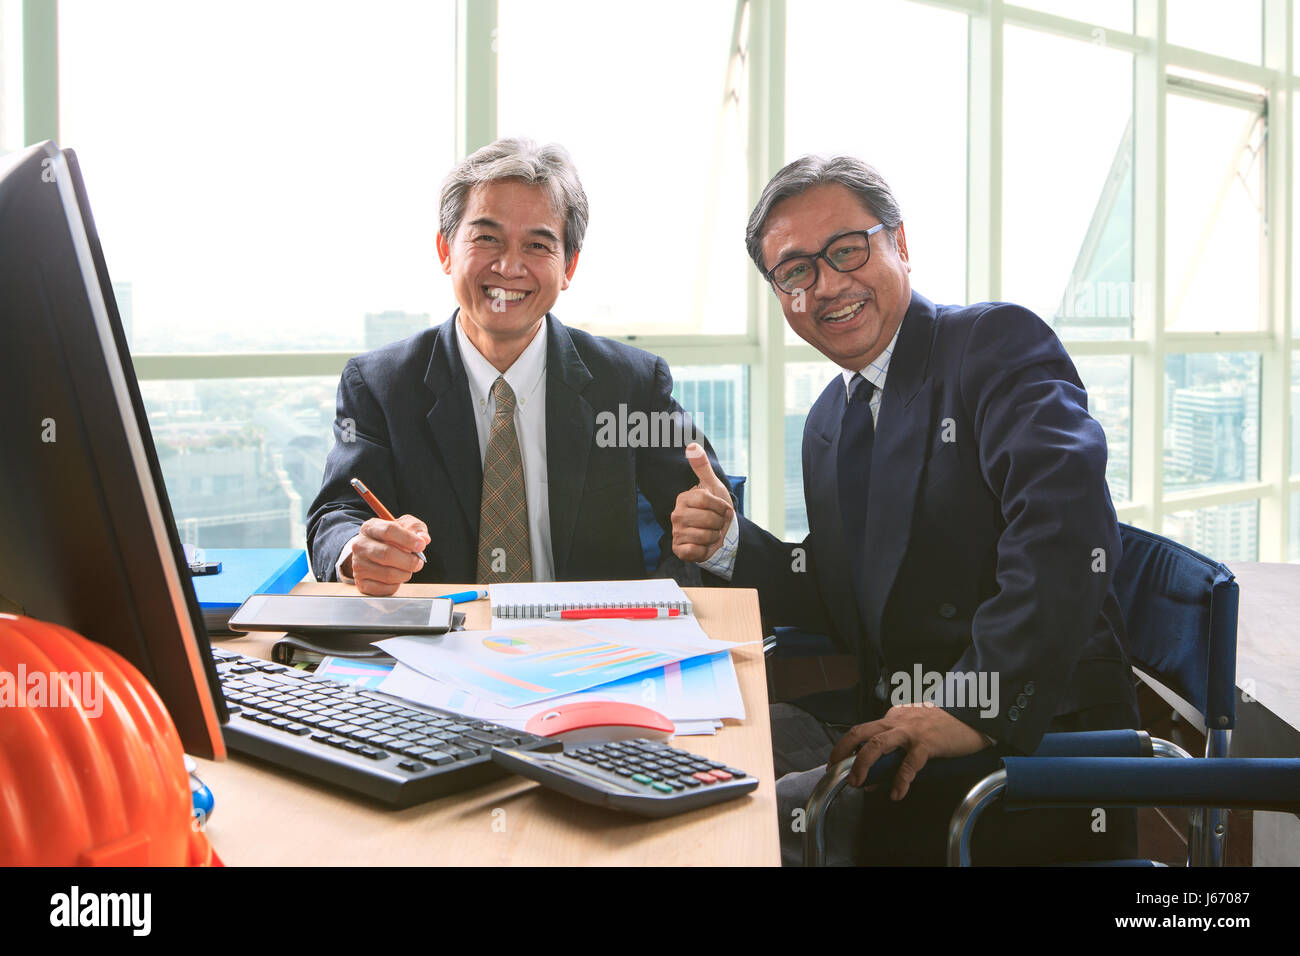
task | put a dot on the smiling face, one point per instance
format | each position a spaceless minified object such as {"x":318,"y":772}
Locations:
{"x":506,"y":262}
{"x":847,"y":316}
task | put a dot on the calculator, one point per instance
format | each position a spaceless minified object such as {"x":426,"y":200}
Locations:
{"x":646,"y":777}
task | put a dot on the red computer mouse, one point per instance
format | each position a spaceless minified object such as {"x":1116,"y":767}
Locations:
{"x":600,"y":721}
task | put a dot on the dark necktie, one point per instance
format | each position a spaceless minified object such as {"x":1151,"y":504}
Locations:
{"x":857,"y":433}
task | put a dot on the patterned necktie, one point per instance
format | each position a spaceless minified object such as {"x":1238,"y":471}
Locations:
{"x":857,"y":435}
{"x":503,"y":550}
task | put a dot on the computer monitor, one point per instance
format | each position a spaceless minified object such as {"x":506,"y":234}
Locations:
{"x":87,"y":538}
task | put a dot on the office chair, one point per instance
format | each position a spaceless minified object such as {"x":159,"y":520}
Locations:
{"x":1180,"y":615}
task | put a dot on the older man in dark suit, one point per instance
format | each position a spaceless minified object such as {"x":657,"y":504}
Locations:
{"x":511,"y":446}
{"x":961,"y":534}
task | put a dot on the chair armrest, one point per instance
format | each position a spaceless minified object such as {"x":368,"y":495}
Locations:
{"x":1236,"y":783}
{"x":1220,"y":782}
{"x":1101,"y":743}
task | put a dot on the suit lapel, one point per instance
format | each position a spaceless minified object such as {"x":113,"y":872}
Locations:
{"x":451,"y":419}
{"x":897,"y":458}
{"x":570,"y":425}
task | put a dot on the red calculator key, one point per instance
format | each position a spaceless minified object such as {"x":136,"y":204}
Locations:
{"x":705,"y":777}
{"x":720,"y":774}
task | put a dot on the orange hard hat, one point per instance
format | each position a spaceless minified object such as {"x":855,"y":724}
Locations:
{"x":92,"y":770}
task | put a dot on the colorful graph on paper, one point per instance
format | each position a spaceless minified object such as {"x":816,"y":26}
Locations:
{"x":532,"y":664}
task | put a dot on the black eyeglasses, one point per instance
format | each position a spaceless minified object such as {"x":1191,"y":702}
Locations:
{"x":844,"y":253}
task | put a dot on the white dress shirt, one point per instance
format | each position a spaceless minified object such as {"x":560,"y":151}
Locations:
{"x":527,"y":379}
{"x":723,"y":562}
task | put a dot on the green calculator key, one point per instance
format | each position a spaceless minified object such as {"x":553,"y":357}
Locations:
{"x":662,"y":787}
{"x":642,"y":778}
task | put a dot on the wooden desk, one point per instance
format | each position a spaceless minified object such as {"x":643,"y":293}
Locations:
{"x":1268,"y":675}
{"x":265,"y":816}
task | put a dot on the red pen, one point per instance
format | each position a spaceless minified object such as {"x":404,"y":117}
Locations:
{"x":627,"y":613}
{"x":378,"y":508}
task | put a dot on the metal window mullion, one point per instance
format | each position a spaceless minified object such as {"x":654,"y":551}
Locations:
{"x":1149,"y":94}
{"x":1070,"y":28}
{"x":40,"y":71}
{"x":1275,"y":513}
{"x":984,"y":155}
{"x":765,"y":152}
{"x":476,"y":75}
{"x":1177,"y":343}
{"x":1194,"y":499}
{"x":161,"y":367}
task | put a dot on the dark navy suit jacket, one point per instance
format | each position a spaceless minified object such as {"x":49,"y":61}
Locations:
{"x":990,"y":536}
{"x":416,"y":447}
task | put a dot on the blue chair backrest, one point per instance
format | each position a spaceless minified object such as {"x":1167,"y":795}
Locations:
{"x":651,"y":532}
{"x":1180,"y":614}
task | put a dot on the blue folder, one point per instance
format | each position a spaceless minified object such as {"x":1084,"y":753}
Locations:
{"x":244,"y":572}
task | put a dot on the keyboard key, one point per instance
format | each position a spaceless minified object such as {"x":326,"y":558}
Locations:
{"x":435,"y":757}
{"x":372,"y":753}
{"x":411,"y":765}
{"x":492,"y":740}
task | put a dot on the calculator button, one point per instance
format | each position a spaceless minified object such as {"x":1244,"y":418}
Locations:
{"x":735,"y":773}
{"x":642,"y":778}
{"x":689,"y":781}
{"x":662,"y":787}
{"x":705,"y":777}
{"x":720,"y":773}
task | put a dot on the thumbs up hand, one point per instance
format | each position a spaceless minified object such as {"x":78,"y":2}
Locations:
{"x":703,"y":513}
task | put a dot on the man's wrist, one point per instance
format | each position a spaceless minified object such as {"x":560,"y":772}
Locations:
{"x":343,"y":567}
{"x":723,"y":561}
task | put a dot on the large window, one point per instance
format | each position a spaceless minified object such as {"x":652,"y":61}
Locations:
{"x":265,"y":179}
{"x":1067,"y":207}
{"x":1214,"y":215}
{"x":644,"y":105}
{"x":11,"y":77}
{"x":263,"y":176}
{"x":888,"y":84}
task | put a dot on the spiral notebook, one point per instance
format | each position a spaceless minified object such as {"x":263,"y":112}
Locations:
{"x":527,"y":600}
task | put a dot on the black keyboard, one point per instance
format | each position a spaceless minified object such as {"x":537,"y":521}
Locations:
{"x":647,"y":777}
{"x":396,"y":751}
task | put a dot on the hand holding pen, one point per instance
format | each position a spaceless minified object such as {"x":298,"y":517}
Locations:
{"x":388,"y":550}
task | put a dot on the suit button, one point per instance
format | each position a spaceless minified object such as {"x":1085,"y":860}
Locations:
{"x":1022,"y":701}
{"x":1029,"y":688}
{"x":1013,"y":713}
{"x":947,"y":610}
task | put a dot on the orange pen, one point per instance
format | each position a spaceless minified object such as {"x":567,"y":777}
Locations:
{"x":377,"y":507}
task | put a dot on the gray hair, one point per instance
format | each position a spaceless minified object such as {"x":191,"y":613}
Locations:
{"x":548,"y":166}
{"x":809,"y":171}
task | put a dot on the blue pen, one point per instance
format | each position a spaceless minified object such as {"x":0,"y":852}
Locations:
{"x":462,"y":596}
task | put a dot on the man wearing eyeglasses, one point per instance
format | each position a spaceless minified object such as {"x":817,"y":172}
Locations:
{"x":961,"y":535}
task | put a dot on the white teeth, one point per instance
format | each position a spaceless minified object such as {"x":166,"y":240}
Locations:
{"x":507,"y":294}
{"x":847,"y":310}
